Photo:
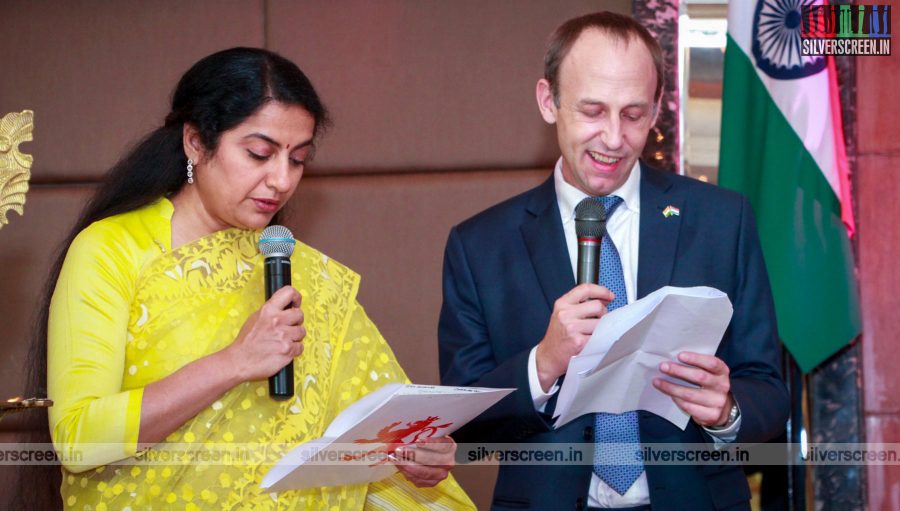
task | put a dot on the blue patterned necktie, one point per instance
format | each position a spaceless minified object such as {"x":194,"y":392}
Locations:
{"x":616,"y":436}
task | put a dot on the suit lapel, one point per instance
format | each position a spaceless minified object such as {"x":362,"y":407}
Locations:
{"x":658,"y":233}
{"x":546,"y":243}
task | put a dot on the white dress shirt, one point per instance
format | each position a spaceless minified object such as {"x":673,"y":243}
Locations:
{"x":623,"y":228}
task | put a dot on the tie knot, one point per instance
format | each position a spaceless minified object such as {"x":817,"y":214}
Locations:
{"x":610,"y":203}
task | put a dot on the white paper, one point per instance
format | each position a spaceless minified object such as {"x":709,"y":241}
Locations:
{"x":383,"y":420}
{"x":615,"y":370}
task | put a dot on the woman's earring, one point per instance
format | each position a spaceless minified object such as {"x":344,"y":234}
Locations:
{"x":190,"y":171}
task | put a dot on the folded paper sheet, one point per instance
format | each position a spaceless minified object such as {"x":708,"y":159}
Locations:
{"x":615,"y":370}
{"x":358,"y":444}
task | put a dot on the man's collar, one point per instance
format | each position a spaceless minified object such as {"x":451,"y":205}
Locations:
{"x":567,"y":196}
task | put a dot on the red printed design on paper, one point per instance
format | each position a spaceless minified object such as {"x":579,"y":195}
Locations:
{"x":396,"y":438}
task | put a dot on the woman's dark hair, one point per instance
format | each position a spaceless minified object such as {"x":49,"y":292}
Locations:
{"x":215,"y":95}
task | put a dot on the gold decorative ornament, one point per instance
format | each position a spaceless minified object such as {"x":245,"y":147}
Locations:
{"x":15,"y":167}
{"x":18,"y":404}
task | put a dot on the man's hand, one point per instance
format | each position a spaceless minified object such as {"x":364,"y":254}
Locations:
{"x":429,"y":462}
{"x":710,"y":404}
{"x":575,"y":315}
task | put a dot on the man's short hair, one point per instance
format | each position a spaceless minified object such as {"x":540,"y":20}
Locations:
{"x":616,"y":25}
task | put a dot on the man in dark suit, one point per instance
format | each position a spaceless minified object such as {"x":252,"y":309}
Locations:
{"x":513,"y":316}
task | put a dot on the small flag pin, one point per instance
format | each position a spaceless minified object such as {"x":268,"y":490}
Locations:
{"x":671,"y":211}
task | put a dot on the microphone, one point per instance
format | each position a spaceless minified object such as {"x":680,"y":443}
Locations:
{"x":590,"y":227}
{"x":276,"y":243}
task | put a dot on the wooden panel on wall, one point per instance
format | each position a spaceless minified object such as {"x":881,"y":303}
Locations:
{"x":98,"y":74}
{"x":878,"y":104}
{"x":879,"y":242}
{"x":427,"y":85}
{"x":883,"y":478}
{"x":877,"y":188}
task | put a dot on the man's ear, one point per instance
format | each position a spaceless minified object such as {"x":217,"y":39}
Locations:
{"x":545,"y":101}
{"x":656,"y":108}
{"x":193,"y":145}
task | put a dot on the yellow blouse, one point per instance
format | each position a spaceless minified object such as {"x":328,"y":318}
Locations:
{"x":128,"y":311}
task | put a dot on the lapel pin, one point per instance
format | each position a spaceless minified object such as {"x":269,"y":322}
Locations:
{"x":671,"y":211}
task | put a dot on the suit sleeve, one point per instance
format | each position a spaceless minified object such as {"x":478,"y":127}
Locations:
{"x":754,"y":353}
{"x":467,"y":356}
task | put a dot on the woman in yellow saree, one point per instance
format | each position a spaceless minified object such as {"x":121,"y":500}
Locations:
{"x":160,"y":338}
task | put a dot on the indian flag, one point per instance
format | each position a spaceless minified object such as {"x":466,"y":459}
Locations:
{"x":783,"y":146}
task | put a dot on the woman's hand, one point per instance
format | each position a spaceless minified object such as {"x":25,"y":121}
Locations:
{"x":268,"y":341}
{"x":427,"y":462}
{"x":270,"y":338}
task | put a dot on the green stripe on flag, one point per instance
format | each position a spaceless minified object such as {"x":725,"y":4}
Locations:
{"x":807,"y":252}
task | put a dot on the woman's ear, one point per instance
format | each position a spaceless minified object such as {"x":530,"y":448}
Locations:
{"x":193,"y":145}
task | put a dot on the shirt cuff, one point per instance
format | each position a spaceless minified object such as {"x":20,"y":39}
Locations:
{"x":133,"y":420}
{"x":101,"y":432}
{"x":727,"y":435}
{"x":538,"y":396}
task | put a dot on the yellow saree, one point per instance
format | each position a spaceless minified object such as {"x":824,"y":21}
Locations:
{"x":191,"y":302}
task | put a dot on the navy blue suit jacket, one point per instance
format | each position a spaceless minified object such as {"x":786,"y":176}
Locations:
{"x":505,"y":267}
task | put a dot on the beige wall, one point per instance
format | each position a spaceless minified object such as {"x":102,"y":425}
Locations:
{"x":434,"y":120}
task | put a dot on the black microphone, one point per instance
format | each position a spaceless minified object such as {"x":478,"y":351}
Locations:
{"x":276,"y":243}
{"x":590,"y":228}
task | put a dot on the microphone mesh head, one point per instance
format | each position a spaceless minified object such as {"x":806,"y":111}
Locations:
{"x":276,"y":240}
{"x":590,"y":219}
